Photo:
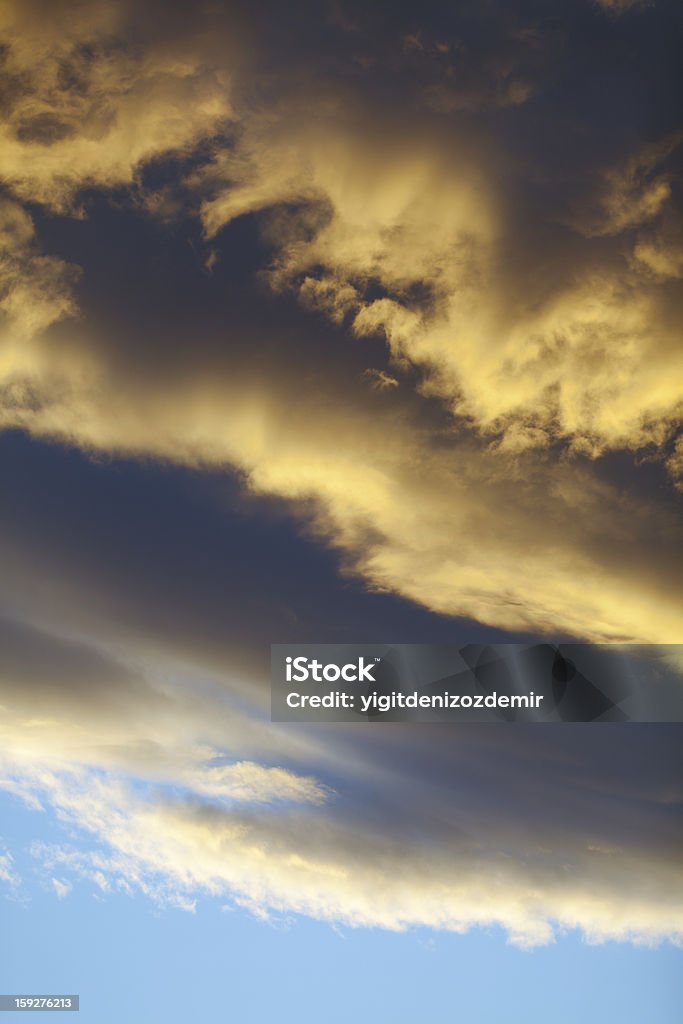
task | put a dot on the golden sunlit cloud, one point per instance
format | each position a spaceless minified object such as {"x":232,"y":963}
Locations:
{"x":593,"y":363}
{"x":588,"y":361}
{"x":85,"y":111}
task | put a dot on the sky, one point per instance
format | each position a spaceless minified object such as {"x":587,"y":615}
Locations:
{"x":323,"y":323}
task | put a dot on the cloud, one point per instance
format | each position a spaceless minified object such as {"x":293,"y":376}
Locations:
{"x":65,"y":704}
{"x":35,"y":290}
{"x":468,"y":872}
{"x":622,"y":6}
{"x":8,"y":875}
{"x":396,"y":828}
{"x":85,"y":109}
{"x":439,"y":524}
{"x":659,"y":252}
{"x":589,"y":359}
{"x":380,"y":379}
{"x":635,"y":190}
{"x":62,"y":888}
{"x":181,"y":790}
{"x":436,"y":511}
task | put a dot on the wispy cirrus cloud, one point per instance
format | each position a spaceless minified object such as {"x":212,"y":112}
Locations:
{"x":8,"y":874}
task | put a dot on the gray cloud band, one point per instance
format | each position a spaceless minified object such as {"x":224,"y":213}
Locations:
{"x":476,"y":683}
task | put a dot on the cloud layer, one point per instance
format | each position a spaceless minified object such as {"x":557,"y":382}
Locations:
{"x":542,"y":345}
{"x":416,"y":278}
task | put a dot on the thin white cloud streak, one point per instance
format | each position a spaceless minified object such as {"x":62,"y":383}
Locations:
{"x":61,"y":888}
{"x":8,"y":874}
